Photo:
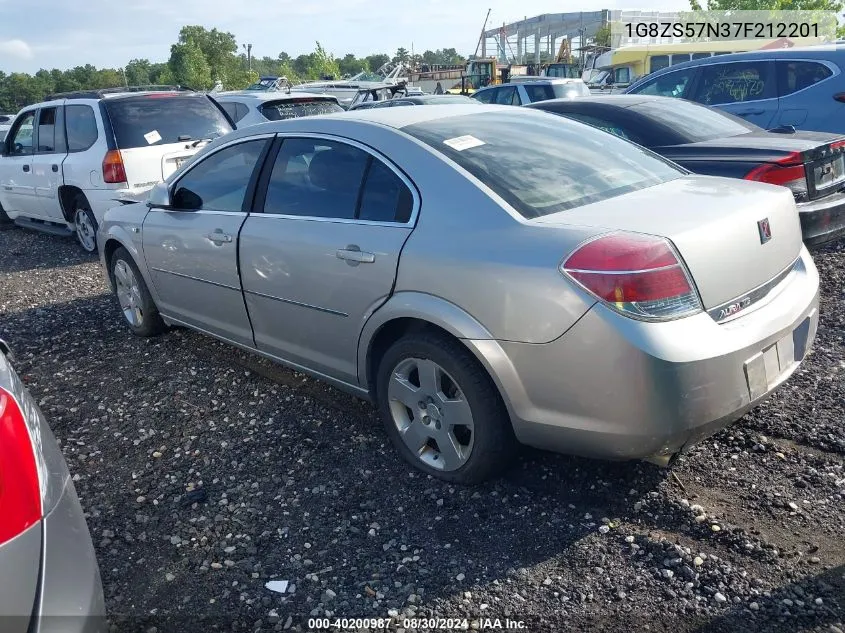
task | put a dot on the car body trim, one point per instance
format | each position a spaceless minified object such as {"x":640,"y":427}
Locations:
{"x":296,"y":303}
{"x":213,"y":283}
{"x":733,"y":308}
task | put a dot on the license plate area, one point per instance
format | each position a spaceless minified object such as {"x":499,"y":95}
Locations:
{"x":827,"y":175}
{"x":764,"y":370}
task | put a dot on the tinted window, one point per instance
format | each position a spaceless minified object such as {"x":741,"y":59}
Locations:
{"x":541,"y":92}
{"x":385,"y":197}
{"x":484,"y":96}
{"x":731,"y":83}
{"x":679,"y":59}
{"x":21,"y":143}
{"x":541,"y":164}
{"x":602,"y":124}
{"x":219,"y":182}
{"x":241,"y":110}
{"x":668,"y":85}
{"x":571,"y":90}
{"x":160,"y":119}
{"x":795,"y":76}
{"x":685,"y":122}
{"x":316,"y":178}
{"x":278,"y":110}
{"x":507,"y":96}
{"x":231,"y":109}
{"x":657,"y":62}
{"x":81,"y":125}
{"x":622,"y":75}
{"x":47,"y":130}
{"x":701,"y":55}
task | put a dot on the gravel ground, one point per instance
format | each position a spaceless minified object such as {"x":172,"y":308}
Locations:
{"x":207,"y":472}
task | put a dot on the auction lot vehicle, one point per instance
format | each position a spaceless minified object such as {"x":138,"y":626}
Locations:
{"x":68,"y":159}
{"x":709,"y":141}
{"x":250,"y":107}
{"x":415,"y":100}
{"x":800,"y":87}
{"x":49,"y":577}
{"x":486,"y":275}
{"x":522,"y":91}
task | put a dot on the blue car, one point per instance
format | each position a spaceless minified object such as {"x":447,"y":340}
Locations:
{"x":799,"y":87}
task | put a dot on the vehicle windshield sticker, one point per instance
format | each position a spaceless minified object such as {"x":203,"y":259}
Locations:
{"x":461,"y":143}
{"x":152,"y":137}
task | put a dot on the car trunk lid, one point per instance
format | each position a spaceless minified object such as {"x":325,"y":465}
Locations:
{"x":733,"y":236}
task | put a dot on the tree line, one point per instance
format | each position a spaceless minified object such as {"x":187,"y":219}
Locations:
{"x":198,"y":60}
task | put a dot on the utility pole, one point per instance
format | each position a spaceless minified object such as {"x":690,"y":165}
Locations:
{"x":248,"y":48}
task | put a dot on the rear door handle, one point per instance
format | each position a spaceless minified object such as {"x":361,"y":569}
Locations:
{"x":55,"y":168}
{"x":354,"y":255}
{"x":26,"y":167}
{"x":219,"y":237}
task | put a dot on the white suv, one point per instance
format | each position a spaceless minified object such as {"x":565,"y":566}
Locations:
{"x":250,"y":107}
{"x":66,"y":161}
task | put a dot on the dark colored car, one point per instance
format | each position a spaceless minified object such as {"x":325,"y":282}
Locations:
{"x":710,"y":142}
{"x":415,"y":100}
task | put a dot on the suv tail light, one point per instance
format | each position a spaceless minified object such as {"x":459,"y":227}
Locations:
{"x":113,"y":170}
{"x":637,"y":275}
{"x":20,"y":488}
{"x":787,"y":171}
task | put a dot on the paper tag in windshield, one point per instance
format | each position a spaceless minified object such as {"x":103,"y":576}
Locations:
{"x":152,"y":137}
{"x":461,"y":143}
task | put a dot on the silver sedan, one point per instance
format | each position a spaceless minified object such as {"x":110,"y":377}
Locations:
{"x":49,"y":578}
{"x":486,"y":275}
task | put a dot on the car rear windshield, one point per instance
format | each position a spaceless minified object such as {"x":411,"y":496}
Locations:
{"x":693,"y":123}
{"x":159,"y":119}
{"x":541,"y":163}
{"x":278,"y":110}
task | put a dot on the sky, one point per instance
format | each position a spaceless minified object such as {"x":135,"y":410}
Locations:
{"x":108,"y":33}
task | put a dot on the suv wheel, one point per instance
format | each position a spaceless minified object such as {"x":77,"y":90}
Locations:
{"x":135,"y":300}
{"x":86,"y":225}
{"x":442,"y":411}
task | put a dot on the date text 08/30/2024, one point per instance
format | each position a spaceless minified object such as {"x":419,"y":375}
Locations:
{"x":414,"y":624}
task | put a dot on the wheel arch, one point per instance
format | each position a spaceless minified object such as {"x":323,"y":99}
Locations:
{"x":116,"y":238}
{"x":67,"y":195}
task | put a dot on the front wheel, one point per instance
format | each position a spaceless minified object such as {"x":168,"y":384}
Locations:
{"x":442,"y":411}
{"x":86,"y":225}
{"x":135,"y":300}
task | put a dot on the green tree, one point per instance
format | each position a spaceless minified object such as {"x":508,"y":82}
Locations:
{"x":402,"y":55}
{"x":769,"y":5}
{"x":322,"y":64}
{"x":188,"y":66}
{"x":219,"y":49}
{"x":138,"y":72}
{"x":351,"y":65}
{"x":374,"y":62}
{"x":602,"y":36}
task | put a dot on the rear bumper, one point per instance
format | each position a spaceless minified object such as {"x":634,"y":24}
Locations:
{"x":71,"y":590}
{"x":613,"y":387}
{"x":823,"y":220}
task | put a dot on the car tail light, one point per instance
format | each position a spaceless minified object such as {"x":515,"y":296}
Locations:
{"x":20,"y":486}
{"x":840,"y":96}
{"x":113,"y":169}
{"x":787,"y":171}
{"x":638,"y":275}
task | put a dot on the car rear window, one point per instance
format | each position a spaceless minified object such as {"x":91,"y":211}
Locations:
{"x":541,"y":163}
{"x":690,"y":122}
{"x":278,"y":110}
{"x":159,"y":119}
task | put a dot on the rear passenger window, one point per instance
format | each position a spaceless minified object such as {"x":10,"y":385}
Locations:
{"x":316,"y":178}
{"x":219,"y":182}
{"x":668,"y":85}
{"x":47,"y":130}
{"x":231,"y":109}
{"x":795,"y":76}
{"x":81,"y":126}
{"x":385,"y":197}
{"x":540,"y":92}
{"x":507,"y":96}
{"x":485,"y":96}
{"x":734,"y":83}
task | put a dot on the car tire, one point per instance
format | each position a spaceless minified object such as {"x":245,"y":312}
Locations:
{"x":85,"y":224}
{"x":430,"y":390}
{"x":5,"y":221}
{"x":137,"y":305}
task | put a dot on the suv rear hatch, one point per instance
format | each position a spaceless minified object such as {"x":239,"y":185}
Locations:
{"x":715,"y":225}
{"x":293,"y":108}
{"x":156,"y":132}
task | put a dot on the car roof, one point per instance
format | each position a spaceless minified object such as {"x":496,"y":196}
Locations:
{"x":260,"y":95}
{"x":822,"y":51}
{"x":620,"y":101}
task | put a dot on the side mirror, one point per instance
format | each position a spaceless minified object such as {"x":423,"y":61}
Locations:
{"x":5,"y":349}
{"x":159,"y":197}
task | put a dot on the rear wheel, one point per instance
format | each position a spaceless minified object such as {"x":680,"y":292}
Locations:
{"x":134,"y":298}
{"x":442,"y":411}
{"x":86,"y":224}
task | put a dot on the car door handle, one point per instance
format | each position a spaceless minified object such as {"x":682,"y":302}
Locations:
{"x":55,"y":168}
{"x":354,"y":254}
{"x":26,"y":167}
{"x":218,"y":237}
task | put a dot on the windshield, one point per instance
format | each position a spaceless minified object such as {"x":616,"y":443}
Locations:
{"x":366,"y":76}
{"x":691,"y":122}
{"x":159,"y":119}
{"x":540,"y":163}
{"x":278,"y":110}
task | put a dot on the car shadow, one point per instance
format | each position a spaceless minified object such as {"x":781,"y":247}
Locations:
{"x":22,"y":250}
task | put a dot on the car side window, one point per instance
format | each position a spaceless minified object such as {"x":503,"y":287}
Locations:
{"x":539,"y":92}
{"x":797,"y":75}
{"x":485,"y":96}
{"x":81,"y":126}
{"x":734,"y":83}
{"x":231,"y":109}
{"x":658,"y":62}
{"x":316,"y":178}
{"x":385,"y":197}
{"x":602,"y":124}
{"x":220,"y":181}
{"x":241,"y":110}
{"x":20,"y":143}
{"x":669,"y":85}
{"x":505,"y":95}
{"x":50,"y":137}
